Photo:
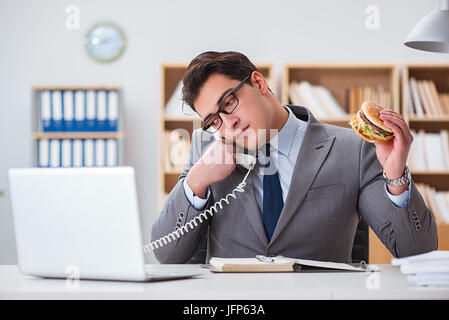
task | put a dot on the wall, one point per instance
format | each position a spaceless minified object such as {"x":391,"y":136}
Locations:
{"x":37,"y":49}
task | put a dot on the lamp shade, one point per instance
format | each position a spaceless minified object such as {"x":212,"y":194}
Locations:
{"x":431,"y":33}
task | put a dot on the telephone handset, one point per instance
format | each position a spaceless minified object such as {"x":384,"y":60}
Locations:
{"x":245,"y":160}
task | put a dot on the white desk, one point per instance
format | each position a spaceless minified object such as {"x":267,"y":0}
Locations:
{"x":389,"y":283}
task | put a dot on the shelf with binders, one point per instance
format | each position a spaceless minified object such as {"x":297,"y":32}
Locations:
{"x":178,"y":123}
{"x":335,"y":92}
{"x":78,"y":126}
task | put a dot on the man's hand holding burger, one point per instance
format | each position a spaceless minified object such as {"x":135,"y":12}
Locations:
{"x":391,"y":136}
{"x":393,"y":154}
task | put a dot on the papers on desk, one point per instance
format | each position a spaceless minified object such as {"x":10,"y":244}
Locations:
{"x":428,"y":269}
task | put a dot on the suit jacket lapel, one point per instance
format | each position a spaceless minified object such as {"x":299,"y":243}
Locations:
{"x":249,"y":203}
{"x":314,"y":150}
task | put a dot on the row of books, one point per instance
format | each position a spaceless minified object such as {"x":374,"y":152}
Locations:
{"x":318,"y":99}
{"x":429,"y":151}
{"x":357,"y":94}
{"x":436,"y":201}
{"x":424,"y":99}
{"x":77,"y":152}
{"x":323,"y":104}
{"x":177,"y":150}
{"x":78,"y":110}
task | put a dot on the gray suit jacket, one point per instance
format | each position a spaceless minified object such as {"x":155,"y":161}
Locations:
{"x":336,"y":179}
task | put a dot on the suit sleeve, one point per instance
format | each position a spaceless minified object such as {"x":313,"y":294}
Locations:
{"x":404,"y":231}
{"x":176,"y":213}
{"x":399,"y":200}
{"x":197,"y":202}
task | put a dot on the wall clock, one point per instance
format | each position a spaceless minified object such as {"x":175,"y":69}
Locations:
{"x":105,"y":42}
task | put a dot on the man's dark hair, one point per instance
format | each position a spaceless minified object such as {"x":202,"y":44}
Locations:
{"x":235,"y":65}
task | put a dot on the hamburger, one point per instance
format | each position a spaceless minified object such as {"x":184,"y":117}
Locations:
{"x":369,"y":126}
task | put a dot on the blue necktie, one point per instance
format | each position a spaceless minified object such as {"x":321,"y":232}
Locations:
{"x":272,"y":197}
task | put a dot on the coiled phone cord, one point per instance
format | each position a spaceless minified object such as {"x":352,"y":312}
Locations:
{"x":197,"y":220}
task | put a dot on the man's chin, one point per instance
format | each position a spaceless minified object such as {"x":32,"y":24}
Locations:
{"x":248,"y":143}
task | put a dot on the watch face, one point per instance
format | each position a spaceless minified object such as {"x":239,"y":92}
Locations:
{"x":105,"y":42}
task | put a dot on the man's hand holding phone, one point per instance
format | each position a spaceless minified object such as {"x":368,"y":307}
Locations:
{"x":214,"y":165}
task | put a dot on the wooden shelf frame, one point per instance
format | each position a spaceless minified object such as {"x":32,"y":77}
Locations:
{"x":337,"y":77}
{"x":429,"y":123}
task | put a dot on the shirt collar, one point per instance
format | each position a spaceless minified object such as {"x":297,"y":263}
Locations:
{"x":287,"y":133}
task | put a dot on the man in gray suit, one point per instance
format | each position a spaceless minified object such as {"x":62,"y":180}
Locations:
{"x":325,"y":178}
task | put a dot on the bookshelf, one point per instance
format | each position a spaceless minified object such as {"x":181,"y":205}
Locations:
{"x":437,"y":77}
{"x":110,"y":136}
{"x":171,"y":76}
{"x":342,"y":80}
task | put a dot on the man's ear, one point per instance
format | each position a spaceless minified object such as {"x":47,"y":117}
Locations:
{"x":259,"y":82}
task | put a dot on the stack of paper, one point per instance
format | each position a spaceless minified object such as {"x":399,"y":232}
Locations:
{"x":428,"y":269}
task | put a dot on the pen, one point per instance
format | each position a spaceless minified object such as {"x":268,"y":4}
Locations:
{"x":265,"y":259}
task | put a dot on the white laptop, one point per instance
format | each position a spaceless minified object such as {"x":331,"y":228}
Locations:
{"x":82,"y":219}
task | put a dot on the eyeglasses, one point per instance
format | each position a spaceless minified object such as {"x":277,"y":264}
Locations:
{"x":213,"y":122}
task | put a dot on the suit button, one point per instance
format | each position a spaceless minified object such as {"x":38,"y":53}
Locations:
{"x":417,"y":225}
{"x":181,"y":214}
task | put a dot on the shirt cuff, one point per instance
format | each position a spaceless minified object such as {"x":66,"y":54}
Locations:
{"x":196,"y":202}
{"x":400,"y":200}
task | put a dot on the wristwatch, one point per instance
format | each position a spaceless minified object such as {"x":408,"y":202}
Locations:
{"x":400,"y":181}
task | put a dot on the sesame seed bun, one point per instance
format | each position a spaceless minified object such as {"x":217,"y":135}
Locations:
{"x":372,"y":110}
{"x":359,"y":122}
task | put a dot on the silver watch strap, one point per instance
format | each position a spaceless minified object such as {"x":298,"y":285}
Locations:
{"x":400,"y":181}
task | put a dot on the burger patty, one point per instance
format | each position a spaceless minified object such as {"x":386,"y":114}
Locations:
{"x":366,"y":120}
